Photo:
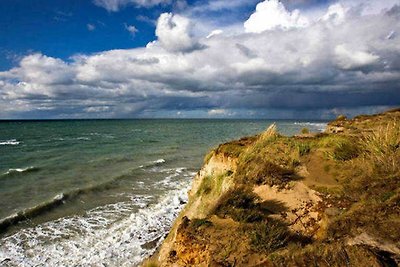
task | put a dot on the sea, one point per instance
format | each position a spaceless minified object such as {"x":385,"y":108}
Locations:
{"x":103,"y":192}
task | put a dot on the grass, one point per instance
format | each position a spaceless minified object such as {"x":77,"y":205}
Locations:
{"x":382,"y":147}
{"x":261,"y":171}
{"x":321,"y":254}
{"x":303,"y":148}
{"x":211,"y":184}
{"x":364,"y":160}
{"x":340,"y":148}
{"x":205,"y":186}
{"x":270,"y":133}
{"x":242,"y":205}
{"x":271,"y":160}
{"x":345,"y":151}
{"x":268,"y":236}
{"x":235,"y":148}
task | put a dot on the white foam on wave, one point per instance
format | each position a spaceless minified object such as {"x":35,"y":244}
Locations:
{"x":18,"y":170}
{"x":318,"y":126}
{"x":111,"y":235}
{"x":159,"y":161}
{"x":11,"y":142}
{"x":173,"y":177}
{"x":82,"y":138}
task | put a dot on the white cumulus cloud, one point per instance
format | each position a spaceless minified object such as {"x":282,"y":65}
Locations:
{"x":318,"y":66}
{"x":350,"y":59}
{"x":174,"y":33}
{"x":272,"y":14}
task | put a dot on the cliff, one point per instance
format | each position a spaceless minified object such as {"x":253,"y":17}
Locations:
{"x":330,"y":199}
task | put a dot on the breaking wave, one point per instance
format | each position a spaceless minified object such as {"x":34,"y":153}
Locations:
{"x":20,"y":170}
{"x":98,"y":238}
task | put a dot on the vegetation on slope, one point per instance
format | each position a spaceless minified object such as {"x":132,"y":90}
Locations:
{"x":354,"y":166}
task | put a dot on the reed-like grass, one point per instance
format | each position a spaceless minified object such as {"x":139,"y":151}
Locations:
{"x":382,"y":147}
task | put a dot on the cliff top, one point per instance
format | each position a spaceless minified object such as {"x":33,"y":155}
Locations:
{"x":327,"y":199}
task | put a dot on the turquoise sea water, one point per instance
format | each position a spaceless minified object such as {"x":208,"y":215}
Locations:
{"x":102,"y":192}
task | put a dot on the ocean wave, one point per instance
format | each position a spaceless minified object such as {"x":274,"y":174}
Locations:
{"x":97,"y":238}
{"x":31,"y":212}
{"x":159,"y":161}
{"x":58,"y":200}
{"x":11,"y":142}
{"x":20,"y":170}
{"x":61,"y":198}
{"x":83,"y":138}
{"x":110,"y":136}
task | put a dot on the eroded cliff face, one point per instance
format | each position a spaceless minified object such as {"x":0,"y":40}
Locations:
{"x":271,"y":200}
{"x":215,"y":179}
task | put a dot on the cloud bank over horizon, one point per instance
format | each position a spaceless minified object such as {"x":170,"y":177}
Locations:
{"x":279,"y":63}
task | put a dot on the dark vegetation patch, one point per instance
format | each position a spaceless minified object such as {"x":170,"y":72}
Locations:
{"x":197,"y":223}
{"x":242,"y":205}
{"x":268,"y":236}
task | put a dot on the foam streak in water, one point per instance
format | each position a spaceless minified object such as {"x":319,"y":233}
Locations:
{"x":12,"y":142}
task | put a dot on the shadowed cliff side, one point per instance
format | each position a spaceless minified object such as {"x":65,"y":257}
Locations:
{"x":330,"y":199}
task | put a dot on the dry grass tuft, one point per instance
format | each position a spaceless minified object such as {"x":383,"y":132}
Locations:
{"x":269,"y":236}
{"x":271,"y":132}
{"x":382,"y":147}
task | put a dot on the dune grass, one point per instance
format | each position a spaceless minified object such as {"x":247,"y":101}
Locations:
{"x":382,"y":147}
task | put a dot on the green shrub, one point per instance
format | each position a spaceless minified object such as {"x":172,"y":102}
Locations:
{"x":305,"y":131}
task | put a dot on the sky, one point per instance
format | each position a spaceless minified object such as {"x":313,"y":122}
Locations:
{"x":271,"y":59}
